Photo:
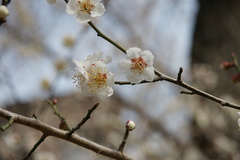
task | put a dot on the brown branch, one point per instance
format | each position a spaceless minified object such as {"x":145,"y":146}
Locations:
{"x":55,"y":132}
{"x":197,"y":91}
{"x":187,"y":92}
{"x":179,"y":77}
{"x":84,"y":120}
{"x":144,"y":81}
{"x":35,"y":147}
{"x":177,"y":81}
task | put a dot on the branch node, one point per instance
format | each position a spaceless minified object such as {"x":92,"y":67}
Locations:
{"x":179,"y":77}
{"x":6,"y":126}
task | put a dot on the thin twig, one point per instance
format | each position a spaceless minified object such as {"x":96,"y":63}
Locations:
{"x":187,"y":92}
{"x":124,"y":141}
{"x":6,"y":126}
{"x":84,"y":120}
{"x":56,"y":112}
{"x":35,"y":147}
{"x":129,"y":83}
{"x":100,"y":34}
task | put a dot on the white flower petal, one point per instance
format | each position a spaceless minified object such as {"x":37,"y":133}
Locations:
{"x":95,"y":57}
{"x":72,"y":7}
{"x":125,"y":65}
{"x":110,"y":81}
{"x":148,"y":57}
{"x":134,"y":78}
{"x":98,"y":10}
{"x":149,"y":74}
{"x":83,"y":17}
{"x":108,"y":59}
{"x":133,"y":52}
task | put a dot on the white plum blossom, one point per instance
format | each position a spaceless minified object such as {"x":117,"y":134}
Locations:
{"x":52,"y":2}
{"x":138,"y":66}
{"x":85,"y":10}
{"x":92,"y":77}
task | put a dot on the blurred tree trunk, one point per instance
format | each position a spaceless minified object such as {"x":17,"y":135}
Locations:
{"x":217,"y":35}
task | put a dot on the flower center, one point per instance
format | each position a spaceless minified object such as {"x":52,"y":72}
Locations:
{"x":138,"y":64}
{"x":96,"y":78}
{"x":85,"y":6}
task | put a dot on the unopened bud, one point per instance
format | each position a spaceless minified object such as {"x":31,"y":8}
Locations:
{"x":227,"y":65}
{"x":55,"y":101}
{"x":236,"y":78}
{"x":63,"y":126}
{"x":3,"y":11}
{"x":130,"y":125}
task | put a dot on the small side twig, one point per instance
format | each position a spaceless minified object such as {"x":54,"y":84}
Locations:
{"x":6,"y":126}
{"x":84,"y":120}
{"x":57,"y":113}
{"x":124,"y":141}
{"x":100,"y":34}
{"x":35,"y":147}
{"x":179,"y":77}
{"x":187,"y":92}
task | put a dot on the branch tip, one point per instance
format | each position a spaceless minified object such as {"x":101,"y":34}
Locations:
{"x":84,"y":120}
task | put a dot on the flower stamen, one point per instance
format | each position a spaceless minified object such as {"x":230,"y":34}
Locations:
{"x":138,"y":64}
{"x":85,"y":6}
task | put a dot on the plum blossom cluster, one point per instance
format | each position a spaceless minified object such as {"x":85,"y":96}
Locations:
{"x":93,"y":78}
{"x":91,"y":75}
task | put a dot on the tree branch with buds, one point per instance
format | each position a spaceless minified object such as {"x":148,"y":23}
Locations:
{"x":48,"y":130}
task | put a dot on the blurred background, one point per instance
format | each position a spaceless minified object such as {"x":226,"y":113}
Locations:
{"x":39,"y":41}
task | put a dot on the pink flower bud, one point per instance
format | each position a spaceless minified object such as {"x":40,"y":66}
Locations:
{"x":236,"y":78}
{"x":55,"y":101}
{"x":227,"y":65}
{"x":130,"y":125}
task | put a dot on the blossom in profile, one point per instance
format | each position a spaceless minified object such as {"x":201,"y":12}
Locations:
{"x":92,"y":76}
{"x":52,"y":2}
{"x":85,"y":10}
{"x":138,"y":65}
